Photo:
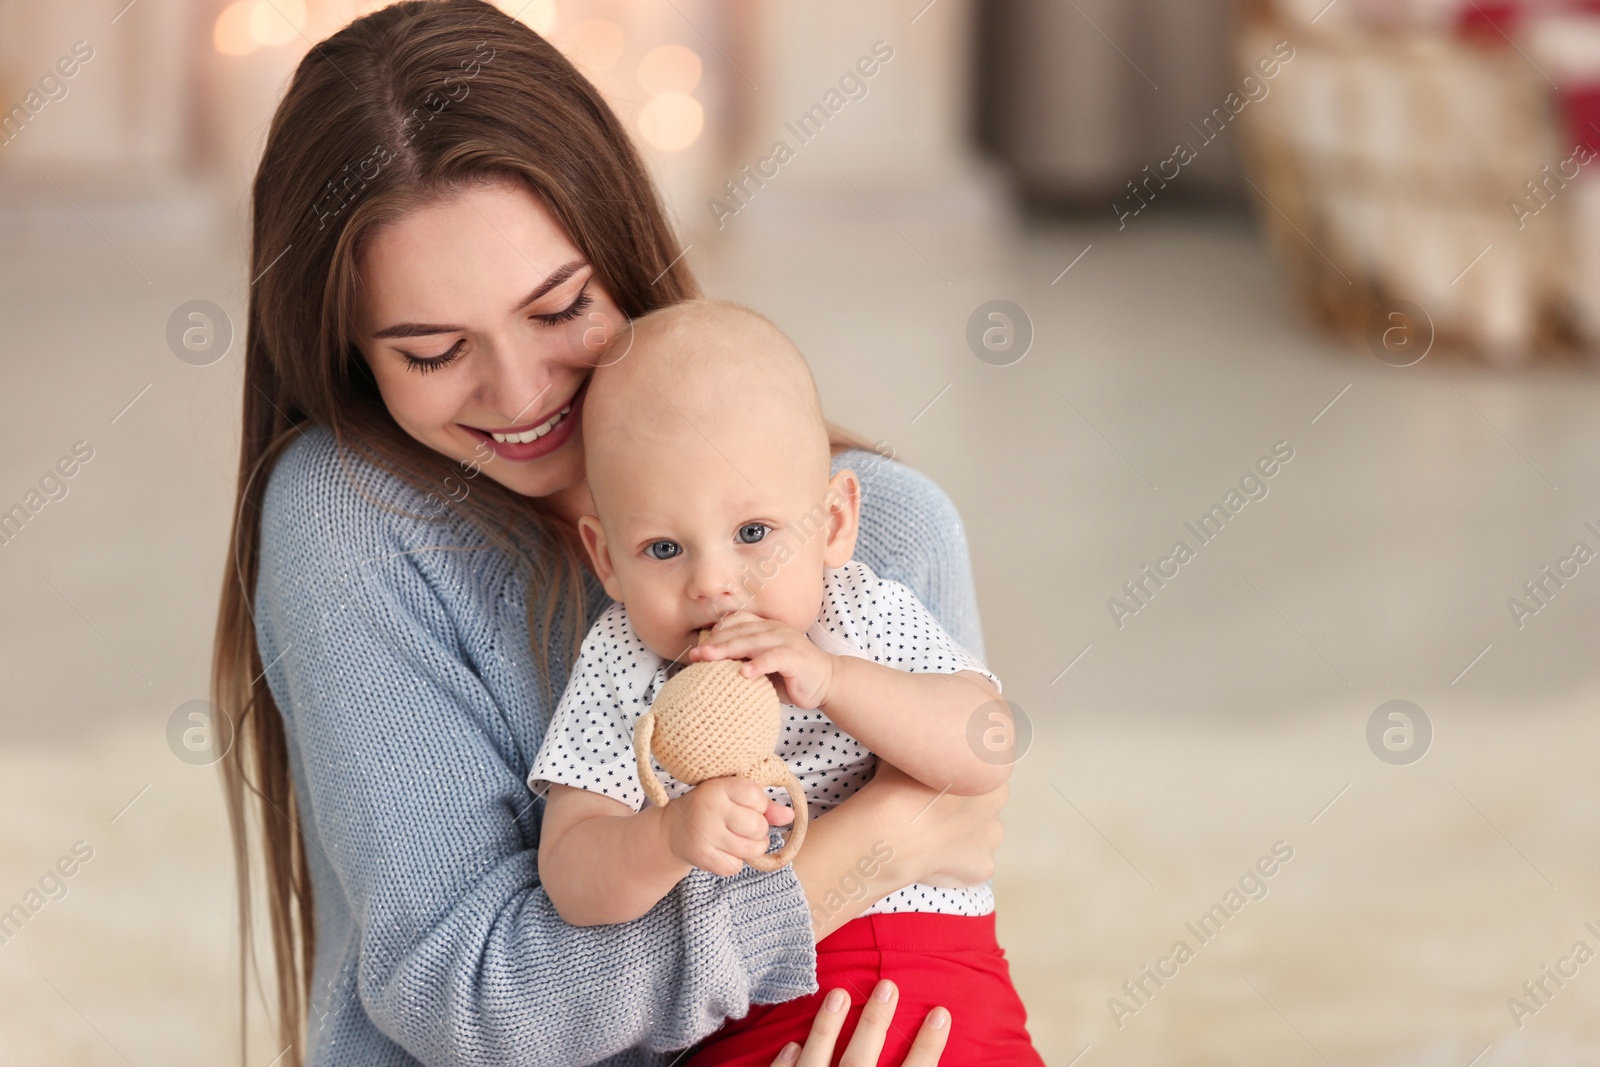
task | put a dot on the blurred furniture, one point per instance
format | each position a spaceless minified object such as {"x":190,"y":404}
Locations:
{"x":1076,"y":97}
{"x":1415,"y":167}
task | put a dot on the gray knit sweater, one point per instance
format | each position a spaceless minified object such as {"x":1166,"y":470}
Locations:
{"x":413,"y":710}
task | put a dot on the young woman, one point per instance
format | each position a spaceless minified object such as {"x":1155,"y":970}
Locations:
{"x":448,"y":225}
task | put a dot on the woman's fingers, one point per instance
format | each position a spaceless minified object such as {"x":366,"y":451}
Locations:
{"x":867,"y":1042}
{"x":930,"y":1040}
{"x":824,"y":1031}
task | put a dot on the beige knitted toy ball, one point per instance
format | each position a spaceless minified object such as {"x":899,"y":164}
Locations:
{"x":710,"y":721}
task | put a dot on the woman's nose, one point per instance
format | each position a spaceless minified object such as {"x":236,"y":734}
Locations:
{"x":516,"y":385}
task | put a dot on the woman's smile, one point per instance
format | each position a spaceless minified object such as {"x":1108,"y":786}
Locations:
{"x":530,"y":441}
{"x":512,"y":317}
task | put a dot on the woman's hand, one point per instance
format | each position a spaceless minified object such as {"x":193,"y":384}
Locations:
{"x":946,"y":840}
{"x":867,"y":1042}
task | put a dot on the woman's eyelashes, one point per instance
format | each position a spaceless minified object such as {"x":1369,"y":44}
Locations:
{"x":433,"y":363}
{"x":423,"y":365}
{"x":578,"y":306}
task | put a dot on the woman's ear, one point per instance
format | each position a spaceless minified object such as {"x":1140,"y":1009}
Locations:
{"x":844,"y":518}
{"x":594,"y":542}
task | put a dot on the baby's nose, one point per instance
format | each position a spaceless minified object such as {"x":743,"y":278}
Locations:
{"x":716,"y":581}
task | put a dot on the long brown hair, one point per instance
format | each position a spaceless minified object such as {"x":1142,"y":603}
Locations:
{"x":397,"y":108}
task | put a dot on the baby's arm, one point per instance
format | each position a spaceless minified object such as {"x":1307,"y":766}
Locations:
{"x":602,"y":862}
{"x":916,"y":720}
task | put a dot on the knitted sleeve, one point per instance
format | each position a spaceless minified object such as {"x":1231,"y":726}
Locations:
{"x":433,"y":930}
{"x":911,"y":533}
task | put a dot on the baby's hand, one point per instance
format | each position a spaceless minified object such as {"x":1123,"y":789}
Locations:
{"x":719,"y":824}
{"x":769,"y":647}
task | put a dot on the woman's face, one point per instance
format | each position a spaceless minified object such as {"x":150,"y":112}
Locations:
{"x":481,"y":322}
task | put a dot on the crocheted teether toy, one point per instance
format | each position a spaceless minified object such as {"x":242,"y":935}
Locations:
{"x":710,"y":721}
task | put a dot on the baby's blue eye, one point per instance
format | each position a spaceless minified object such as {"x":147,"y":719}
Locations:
{"x":662,"y":549}
{"x":751,"y":532}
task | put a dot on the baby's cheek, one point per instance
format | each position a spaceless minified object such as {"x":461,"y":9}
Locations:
{"x":797,"y":605}
{"x":660,"y":626}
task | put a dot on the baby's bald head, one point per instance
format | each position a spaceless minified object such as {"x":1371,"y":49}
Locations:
{"x":704,"y":373}
{"x":709,"y":465}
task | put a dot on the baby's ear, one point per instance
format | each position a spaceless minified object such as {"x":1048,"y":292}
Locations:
{"x":844,"y":517}
{"x":594,"y":542}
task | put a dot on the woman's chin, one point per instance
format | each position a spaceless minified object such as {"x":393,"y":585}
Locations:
{"x":548,"y":474}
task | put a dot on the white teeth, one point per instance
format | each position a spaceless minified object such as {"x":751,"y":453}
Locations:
{"x":535,"y":433}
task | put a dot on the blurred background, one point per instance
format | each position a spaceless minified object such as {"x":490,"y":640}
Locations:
{"x":1094,"y":265}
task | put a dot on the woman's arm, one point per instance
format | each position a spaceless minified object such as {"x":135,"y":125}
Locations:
{"x":422,"y":837}
{"x":911,"y":532}
{"x":893,"y":832}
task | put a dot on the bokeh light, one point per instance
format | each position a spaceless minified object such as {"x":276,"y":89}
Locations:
{"x":671,"y":121}
{"x":231,"y":35}
{"x":538,"y":15}
{"x":246,"y":25}
{"x":671,"y":68}
{"x":276,"y":22}
{"x":595,"y":45}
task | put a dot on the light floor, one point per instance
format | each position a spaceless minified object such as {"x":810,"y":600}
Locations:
{"x":1228,"y":715}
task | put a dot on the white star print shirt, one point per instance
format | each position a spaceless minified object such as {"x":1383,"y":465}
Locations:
{"x":590,"y":741}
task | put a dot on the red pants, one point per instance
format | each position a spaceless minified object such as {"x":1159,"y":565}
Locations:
{"x":949,"y":960}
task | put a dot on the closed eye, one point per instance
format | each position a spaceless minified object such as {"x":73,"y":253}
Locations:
{"x":433,"y":363}
{"x":424,"y":365}
{"x":579,"y":305}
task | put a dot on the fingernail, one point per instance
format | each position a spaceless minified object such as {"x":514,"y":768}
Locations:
{"x":938,"y":1019}
{"x":790,"y":1053}
{"x":883,"y":990}
{"x":834,"y":1001}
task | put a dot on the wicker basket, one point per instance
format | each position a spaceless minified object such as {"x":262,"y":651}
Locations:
{"x":1387,"y":164}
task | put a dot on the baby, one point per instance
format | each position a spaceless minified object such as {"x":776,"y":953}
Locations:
{"x":709,"y":465}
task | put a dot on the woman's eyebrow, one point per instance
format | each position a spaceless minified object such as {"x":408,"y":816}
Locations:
{"x":557,"y":276}
{"x":427,"y":329}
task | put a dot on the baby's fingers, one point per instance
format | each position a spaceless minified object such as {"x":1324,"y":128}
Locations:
{"x":748,"y":824}
{"x":716,"y":849}
{"x":781,"y":660}
{"x":732,"y":621}
{"x":741,"y":644}
{"x":733,"y":618}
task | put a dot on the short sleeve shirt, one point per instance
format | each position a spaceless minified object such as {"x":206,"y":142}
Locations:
{"x":590,"y":741}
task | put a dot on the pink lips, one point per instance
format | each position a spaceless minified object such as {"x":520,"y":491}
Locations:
{"x":539,"y":446}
